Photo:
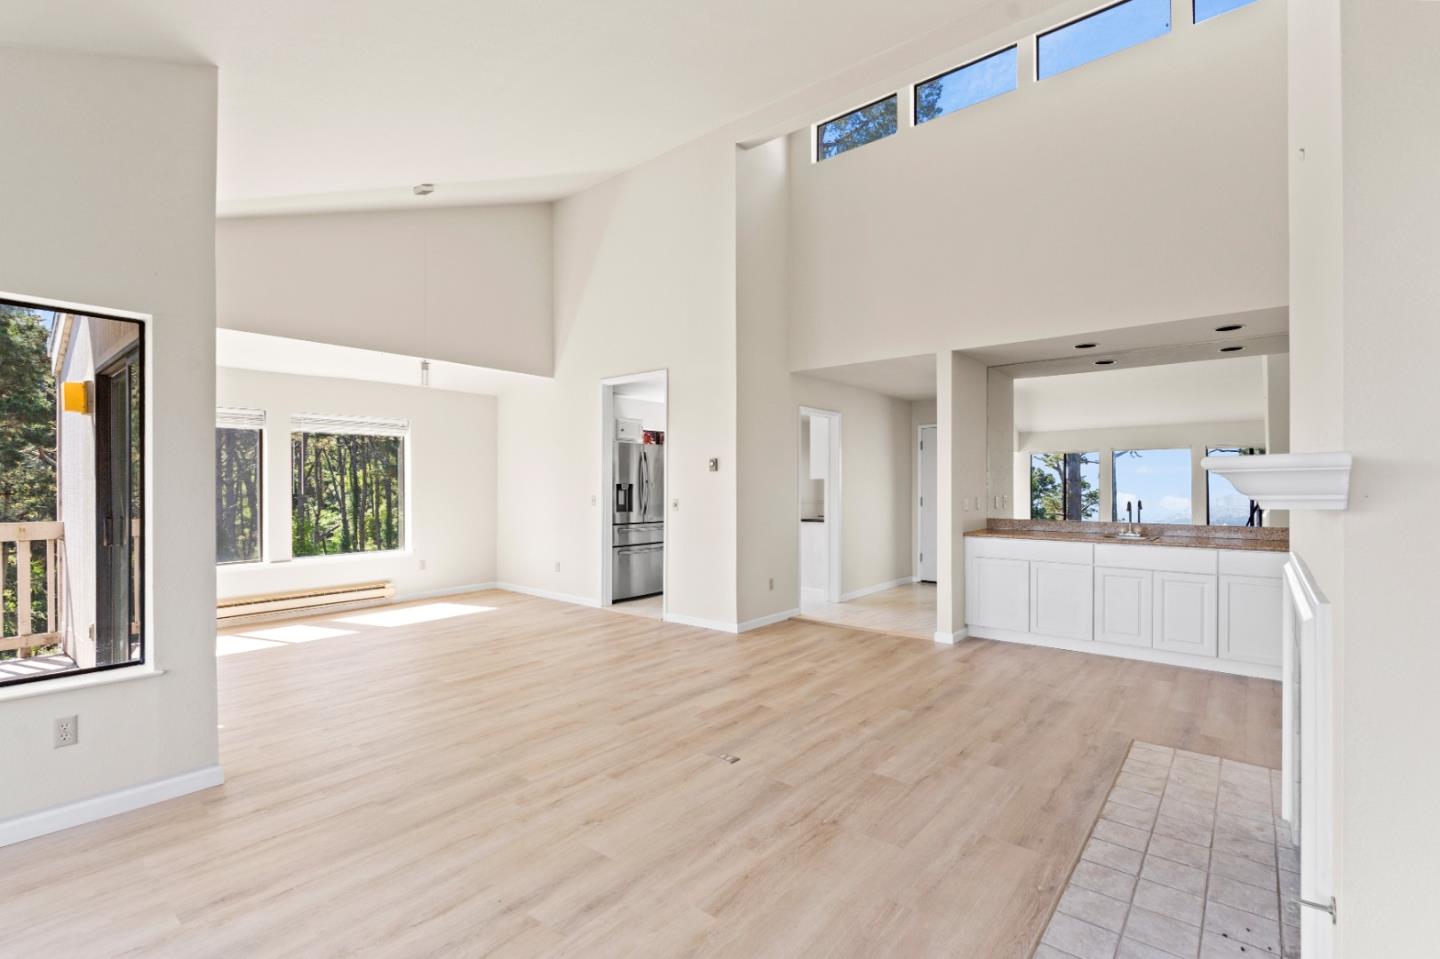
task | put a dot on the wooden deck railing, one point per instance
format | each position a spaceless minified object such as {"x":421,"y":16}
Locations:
{"x":19,"y":540}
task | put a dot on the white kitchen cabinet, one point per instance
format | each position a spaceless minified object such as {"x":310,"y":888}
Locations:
{"x":1199,"y":607}
{"x":1250,"y":619}
{"x":1123,"y":606}
{"x":998,"y":595}
{"x":1185,"y":613}
{"x":1062,"y":597}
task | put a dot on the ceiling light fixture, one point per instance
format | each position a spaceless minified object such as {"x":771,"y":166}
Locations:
{"x":1231,"y":349}
{"x":1086,"y":346}
{"x":1229,"y":327}
{"x":1104,"y":362}
{"x":423,"y":189}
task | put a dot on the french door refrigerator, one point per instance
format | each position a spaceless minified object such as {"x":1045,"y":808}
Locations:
{"x":638,"y":501}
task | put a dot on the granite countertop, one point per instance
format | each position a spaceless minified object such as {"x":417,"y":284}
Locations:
{"x":1269,"y":540}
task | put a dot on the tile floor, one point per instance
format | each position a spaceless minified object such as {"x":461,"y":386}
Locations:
{"x":1188,"y":860}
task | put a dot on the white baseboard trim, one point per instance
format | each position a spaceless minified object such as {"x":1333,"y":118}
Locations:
{"x":34,"y":824}
{"x":443,"y":591}
{"x":1117,"y":651}
{"x":590,"y":601}
{"x":877,"y":588}
{"x":680,"y":619}
{"x":771,"y":620}
{"x":812,"y":596}
{"x":952,"y":639}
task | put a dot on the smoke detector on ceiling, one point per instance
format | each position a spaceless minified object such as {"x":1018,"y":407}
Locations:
{"x":423,"y":189}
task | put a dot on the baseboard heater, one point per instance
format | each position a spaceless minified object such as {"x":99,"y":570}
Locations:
{"x":238,"y":608}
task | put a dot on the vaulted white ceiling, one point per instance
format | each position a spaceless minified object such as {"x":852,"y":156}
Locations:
{"x":348,"y":103}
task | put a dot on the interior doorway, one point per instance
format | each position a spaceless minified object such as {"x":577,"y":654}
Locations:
{"x":633,"y":543}
{"x":927,"y":528}
{"x":820,"y":507}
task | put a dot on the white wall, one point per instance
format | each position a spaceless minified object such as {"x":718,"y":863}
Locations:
{"x":963,"y":434}
{"x":108,"y":186}
{"x":467,"y":284}
{"x":1203,"y":392}
{"x":1144,"y":187}
{"x":767,"y":412}
{"x":1365,"y":91}
{"x":450,"y":485}
{"x":644,"y":280}
{"x":650,"y":413}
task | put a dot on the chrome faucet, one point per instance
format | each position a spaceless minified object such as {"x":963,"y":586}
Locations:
{"x":1132,"y":507}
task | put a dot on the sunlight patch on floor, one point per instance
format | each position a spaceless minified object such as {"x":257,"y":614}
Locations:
{"x":411,"y":615}
{"x":298,"y":633}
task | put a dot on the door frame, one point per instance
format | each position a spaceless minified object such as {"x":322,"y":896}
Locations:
{"x":834,"y":505}
{"x":920,"y":429}
{"x":607,"y":466}
{"x":132,"y":359}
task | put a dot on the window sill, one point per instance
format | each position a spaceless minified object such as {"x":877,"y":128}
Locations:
{"x":69,"y":684}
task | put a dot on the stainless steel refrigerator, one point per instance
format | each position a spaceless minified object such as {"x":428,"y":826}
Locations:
{"x":638,"y":560}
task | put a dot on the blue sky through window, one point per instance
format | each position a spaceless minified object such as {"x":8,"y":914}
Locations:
{"x":965,"y":86}
{"x":1160,"y":479}
{"x":1100,"y":34}
{"x":1205,"y":9}
{"x":1227,"y":505}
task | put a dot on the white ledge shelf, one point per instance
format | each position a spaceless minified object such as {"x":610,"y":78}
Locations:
{"x":1288,"y":480}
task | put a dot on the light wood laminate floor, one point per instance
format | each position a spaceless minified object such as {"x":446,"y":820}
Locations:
{"x":541,"y":780}
{"x":907,"y":610}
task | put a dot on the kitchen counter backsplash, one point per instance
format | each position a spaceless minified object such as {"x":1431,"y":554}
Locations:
{"x":1163,"y":534}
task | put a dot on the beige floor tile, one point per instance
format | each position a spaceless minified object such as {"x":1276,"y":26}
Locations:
{"x":1103,"y":879}
{"x":1247,"y":927}
{"x":1242,"y":895}
{"x":1094,"y":908}
{"x":1122,"y":835}
{"x":1080,"y":939}
{"x":1177,"y":938}
{"x":1113,"y":856}
{"x":1170,"y":902}
{"x":1177,"y":850}
{"x":1175,"y":875}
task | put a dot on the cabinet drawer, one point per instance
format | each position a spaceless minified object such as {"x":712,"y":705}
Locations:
{"x":1041,"y":551}
{"x":1236,"y":562}
{"x":1173,"y":559}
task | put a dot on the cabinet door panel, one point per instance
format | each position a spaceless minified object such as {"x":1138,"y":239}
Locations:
{"x":999,"y":594}
{"x":1185,"y":613}
{"x":1061,"y":600}
{"x":1123,"y":606}
{"x":1250,"y":619}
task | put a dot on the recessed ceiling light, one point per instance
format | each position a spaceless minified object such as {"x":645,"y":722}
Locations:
{"x":1104,"y":362}
{"x":1231,"y":349}
{"x":423,"y":189}
{"x":1229,"y":327}
{"x":1086,"y":346}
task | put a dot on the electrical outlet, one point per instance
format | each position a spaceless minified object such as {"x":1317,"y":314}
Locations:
{"x":594,"y":500}
{"x":675,"y":504}
{"x":557,"y":566}
{"x":772,"y":584}
{"x":422,"y":565}
{"x":67,"y":731}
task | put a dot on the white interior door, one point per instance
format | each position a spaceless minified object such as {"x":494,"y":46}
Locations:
{"x":929,"y":530}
